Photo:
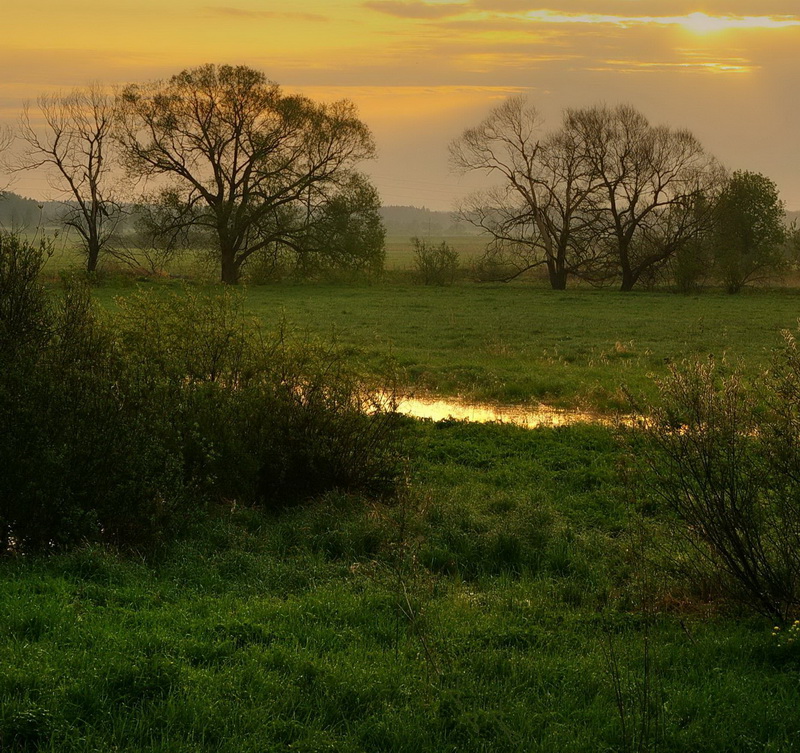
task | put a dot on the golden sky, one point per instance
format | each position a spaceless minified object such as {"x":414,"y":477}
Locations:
{"x":422,"y":70}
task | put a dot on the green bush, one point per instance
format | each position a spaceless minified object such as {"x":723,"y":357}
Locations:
{"x":122,"y":429}
{"x":84,"y":450}
{"x":263,"y":420}
{"x":434,"y":264}
{"x":723,"y":457}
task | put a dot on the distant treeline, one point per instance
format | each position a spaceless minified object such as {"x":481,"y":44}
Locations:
{"x":414,"y":221}
{"x":21,"y":212}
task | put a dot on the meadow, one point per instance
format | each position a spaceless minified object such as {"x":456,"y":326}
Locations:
{"x":513,"y":595}
{"x":521,"y":343}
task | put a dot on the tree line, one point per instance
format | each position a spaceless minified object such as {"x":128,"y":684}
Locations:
{"x":215,"y":157}
{"x":219,"y":158}
{"x":608,"y":197}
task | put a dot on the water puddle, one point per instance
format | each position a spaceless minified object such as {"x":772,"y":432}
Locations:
{"x":529,"y":418}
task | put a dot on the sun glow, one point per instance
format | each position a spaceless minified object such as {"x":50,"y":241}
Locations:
{"x":698,"y":23}
{"x":702,"y":23}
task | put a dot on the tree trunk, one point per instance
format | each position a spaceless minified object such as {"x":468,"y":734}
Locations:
{"x":558,"y":279}
{"x":230,"y":270}
{"x":628,"y":280}
{"x":93,"y":255}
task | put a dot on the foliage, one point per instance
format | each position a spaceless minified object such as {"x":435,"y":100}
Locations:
{"x":122,"y":429}
{"x":265,"y":421}
{"x":24,"y":313}
{"x":692,"y":265}
{"x":345,"y":233}
{"x":434,"y":264}
{"x":84,"y":449}
{"x":749,"y":230}
{"x":342,"y":236}
{"x":246,"y":162}
{"x":727,"y":467}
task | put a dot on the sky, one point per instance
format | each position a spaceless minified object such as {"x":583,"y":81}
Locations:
{"x":421,"y":71}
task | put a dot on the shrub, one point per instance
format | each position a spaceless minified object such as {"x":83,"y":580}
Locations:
{"x":434,"y":264}
{"x":24,"y":316}
{"x":265,"y":420}
{"x":726,"y":464}
{"x":121,"y":428}
{"x":83,"y":449}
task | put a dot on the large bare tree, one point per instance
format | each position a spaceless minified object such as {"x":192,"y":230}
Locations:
{"x":237,"y":157}
{"x":71,"y":138}
{"x":653,"y":183}
{"x":537,"y":215}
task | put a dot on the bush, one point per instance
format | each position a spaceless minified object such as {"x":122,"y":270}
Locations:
{"x":83,"y":449}
{"x":122,"y":428}
{"x":725,"y":463}
{"x":263,"y":420}
{"x":434,"y":264}
{"x":24,"y":316}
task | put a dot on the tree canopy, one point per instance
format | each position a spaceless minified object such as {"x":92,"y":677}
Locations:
{"x":749,"y":230}
{"x":238,"y":158}
{"x":606,"y":196}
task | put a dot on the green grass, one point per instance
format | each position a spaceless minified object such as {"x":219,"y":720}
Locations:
{"x":526,"y":344}
{"x":474,"y":615}
{"x":399,"y":256}
{"x":477,"y":612}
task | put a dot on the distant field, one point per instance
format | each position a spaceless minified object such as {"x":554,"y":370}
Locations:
{"x":400,"y":254}
{"x":521,"y":343}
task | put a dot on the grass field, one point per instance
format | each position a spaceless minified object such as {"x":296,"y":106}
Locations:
{"x":399,"y":255}
{"x":496,"y":608}
{"x":525,"y":344}
{"x":506,"y":600}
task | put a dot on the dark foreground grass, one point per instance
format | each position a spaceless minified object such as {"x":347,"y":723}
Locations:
{"x":521,"y":343}
{"x":478,"y":613}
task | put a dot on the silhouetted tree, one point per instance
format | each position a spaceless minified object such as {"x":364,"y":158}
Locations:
{"x":538,"y":215}
{"x":242,"y":159}
{"x":651,"y":182}
{"x":74,"y":145}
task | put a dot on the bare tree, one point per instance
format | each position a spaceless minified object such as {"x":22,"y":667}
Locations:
{"x":538,"y":215}
{"x":241,"y":158}
{"x":6,"y":138}
{"x":652,"y":181}
{"x":73,"y":144}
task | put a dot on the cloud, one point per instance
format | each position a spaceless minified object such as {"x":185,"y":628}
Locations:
{"x":732,"y":66}
{"x":642,"y":7}
{"x":623,"y":14}
{"x":231,"y":12}
{"x":697,"y":21}
{"x":417,"y":8}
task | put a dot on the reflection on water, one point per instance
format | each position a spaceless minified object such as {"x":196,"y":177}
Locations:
{"x":439,"y":410}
